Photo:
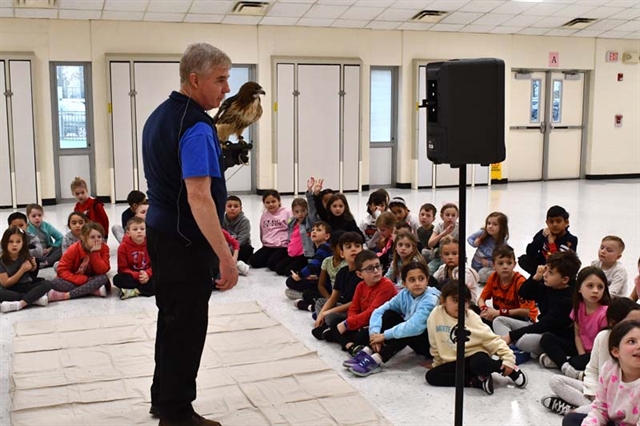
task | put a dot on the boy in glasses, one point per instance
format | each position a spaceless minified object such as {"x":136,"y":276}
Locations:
{"x":372,"y":292}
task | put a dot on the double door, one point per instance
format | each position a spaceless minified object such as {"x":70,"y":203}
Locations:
{"x":545,"y":138}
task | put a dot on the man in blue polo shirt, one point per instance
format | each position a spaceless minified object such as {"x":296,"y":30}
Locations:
{"x":187,"y":194}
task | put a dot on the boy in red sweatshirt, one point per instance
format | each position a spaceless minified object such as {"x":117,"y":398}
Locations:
{"x":353,"y":333}
{"x":134,"y":277}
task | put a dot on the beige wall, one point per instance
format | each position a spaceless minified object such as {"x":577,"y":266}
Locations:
{"x":91,"y":41}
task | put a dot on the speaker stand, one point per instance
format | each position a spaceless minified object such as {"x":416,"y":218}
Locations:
{"x":461,"y":335}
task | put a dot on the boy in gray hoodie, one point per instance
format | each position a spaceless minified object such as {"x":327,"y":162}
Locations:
{"x":238,"y":225}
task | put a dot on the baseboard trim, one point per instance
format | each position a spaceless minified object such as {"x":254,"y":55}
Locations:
{"x":104,"y":199}
{"x":366,"y":187}
{"x":48,"y":202}
{"x":401,"y":185}
{"x":499,"y":181}
{"x":616,"y":176}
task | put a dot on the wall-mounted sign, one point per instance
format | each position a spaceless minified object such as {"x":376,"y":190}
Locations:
{"x":612,"y":56}
{"x":554,"y":59}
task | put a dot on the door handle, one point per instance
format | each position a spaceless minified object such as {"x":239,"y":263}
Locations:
{"x":543,"y":127}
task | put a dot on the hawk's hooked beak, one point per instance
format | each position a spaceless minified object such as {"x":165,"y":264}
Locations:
{"x":262,"y":92}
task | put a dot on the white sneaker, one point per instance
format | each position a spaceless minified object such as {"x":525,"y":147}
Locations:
{"x":569,"y":371}
{"x":292,"y":294}
{"x":243,"y":268}
{"x":9,"y":306}
{"x":43,"y":301}
{"x":546,"y":362}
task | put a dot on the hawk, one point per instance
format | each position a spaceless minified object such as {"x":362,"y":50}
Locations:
{"x":239,"y":111}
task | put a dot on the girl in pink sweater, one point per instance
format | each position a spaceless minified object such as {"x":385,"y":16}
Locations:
{"x":618,"y":396}
{"x":274,"y":232}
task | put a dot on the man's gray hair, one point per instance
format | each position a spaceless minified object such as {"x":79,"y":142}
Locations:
{"x":200,"y":58}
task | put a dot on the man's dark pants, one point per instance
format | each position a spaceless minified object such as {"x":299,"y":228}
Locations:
{"x":182,"y":275}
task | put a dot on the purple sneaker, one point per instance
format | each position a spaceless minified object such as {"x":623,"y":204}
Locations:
{"x":354,"y":359}
{"x":366,"y":366}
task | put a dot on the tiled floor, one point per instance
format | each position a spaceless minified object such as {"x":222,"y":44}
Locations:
{"x":597,"y":208}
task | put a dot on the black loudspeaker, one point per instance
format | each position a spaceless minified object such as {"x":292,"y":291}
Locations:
{"x":465,"y":111}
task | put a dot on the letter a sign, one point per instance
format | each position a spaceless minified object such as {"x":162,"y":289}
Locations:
{"x":554,"y":59}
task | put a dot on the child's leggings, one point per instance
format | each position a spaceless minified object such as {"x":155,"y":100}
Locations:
{"x":558,"y":349}
{"x":29,"y":292}
{"x":478,"y":364}
{"x":570,"y":390}
{"x":125,"y":280}
{"x":93,"y":284}
{"x":54,"y":255}
{"x":419,"y":343}
{"x":268,"y":257}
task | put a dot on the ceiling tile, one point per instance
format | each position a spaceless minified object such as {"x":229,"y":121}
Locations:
{"x":396,"y":15}
{"x":493,"y":19}
{"x":383,"y":25}
{"x":550,"y":22}
{"x":411,"y":4}
{"x":481,"y":6}
{"x":163,"y":17}
{"x":630,"y":13}
{"x":560,"y":32}
{"x":614,"y":34}
{"x":315,"y":22}
{"x":81,"y":4}
{"x":561,"y":1}
{"x":477,"y":29}
{"x":202,"y":18}
{"x":544,"y":9}
{"x":349,"y":23}
{"x":278,"y":20}
{"x":574,"y":10}
{"x":6,"y":12}
{"x":292,"y":1}
{"x":506,"y":30}
{"x":602,"y":12}
{"x":533,"y":31}
{"x":629,"y":26}
{"x":522,"y":21}
{"x":126,"y":5}
{"x":461,"y":18}
{"x":513,"y":7}
{"x":447,"y":5}
{"x":212,"y":7}
{"x":415,"y":26}
{"x":6,"y":3}
{"x":83,"y":15}
{"x":606,"y":24}
{"x":325,"y":12}
{"x":337,"y":2}
{"x":360,"y":13}
{"x":291,"y":10}
{"x":634,"y":36}
{"x":588,"y":33}
{"x":446,"y":27}
{"x":36,"y":13}
{"x":598,"y":2}
{"x":241,"y":20}
{"x":169,"y":6}
{"x":116,"y":15}
{"x":374,"y":3}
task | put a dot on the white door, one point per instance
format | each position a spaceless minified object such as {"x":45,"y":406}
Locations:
{"x":525,"y":139}
{"x":565,"y":130}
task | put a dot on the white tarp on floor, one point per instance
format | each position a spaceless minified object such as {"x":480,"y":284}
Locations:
{"x":98,"y":370}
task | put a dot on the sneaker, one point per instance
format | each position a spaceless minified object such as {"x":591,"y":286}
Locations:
{"x":519,"y":378}
{"x":43,"y":301}
{"x":354,"y":349}
{"x":9,"y":306}
{"x":546,"y":362}
{"x":302,"y":305}
{"x":194,"y":420}
{"x":521,"y":356}
{"x":318,"y":332}
{"x":127,"y":293}
{"x":557,"y":405}
{"x":354,"y":360}
{"x":569,"y":371}
{"x":314,"y":315}
{"x":327,"y":335}
{"x":366,"y":366}
{"x":292,"y":294}
{"x":243,"y":268}
{"x":483,"y":382}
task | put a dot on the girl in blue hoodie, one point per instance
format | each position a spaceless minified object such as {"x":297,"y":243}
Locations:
{"x":400,"y":322}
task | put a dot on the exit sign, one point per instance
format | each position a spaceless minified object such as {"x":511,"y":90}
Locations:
{"x":612,"y":56}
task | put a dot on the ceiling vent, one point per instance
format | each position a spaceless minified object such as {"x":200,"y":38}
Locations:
{"x":579,"y":23}
{"x":429,"y":16}
{"x":251,"y":8}
{"x":35,"y":4}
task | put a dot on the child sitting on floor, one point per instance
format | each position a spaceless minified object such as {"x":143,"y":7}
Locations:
{"x":609,"y":255}
{"x":480,"y":346}
{"x":307,"y":278}
{"x":49,"y":236}
{"x":400,"y":322}
{"x":134,"y":277}
{"x":449,"y":270}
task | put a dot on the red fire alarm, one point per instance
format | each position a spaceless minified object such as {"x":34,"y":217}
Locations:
{"x":620,"y":76}
{"x":618,"y":122}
